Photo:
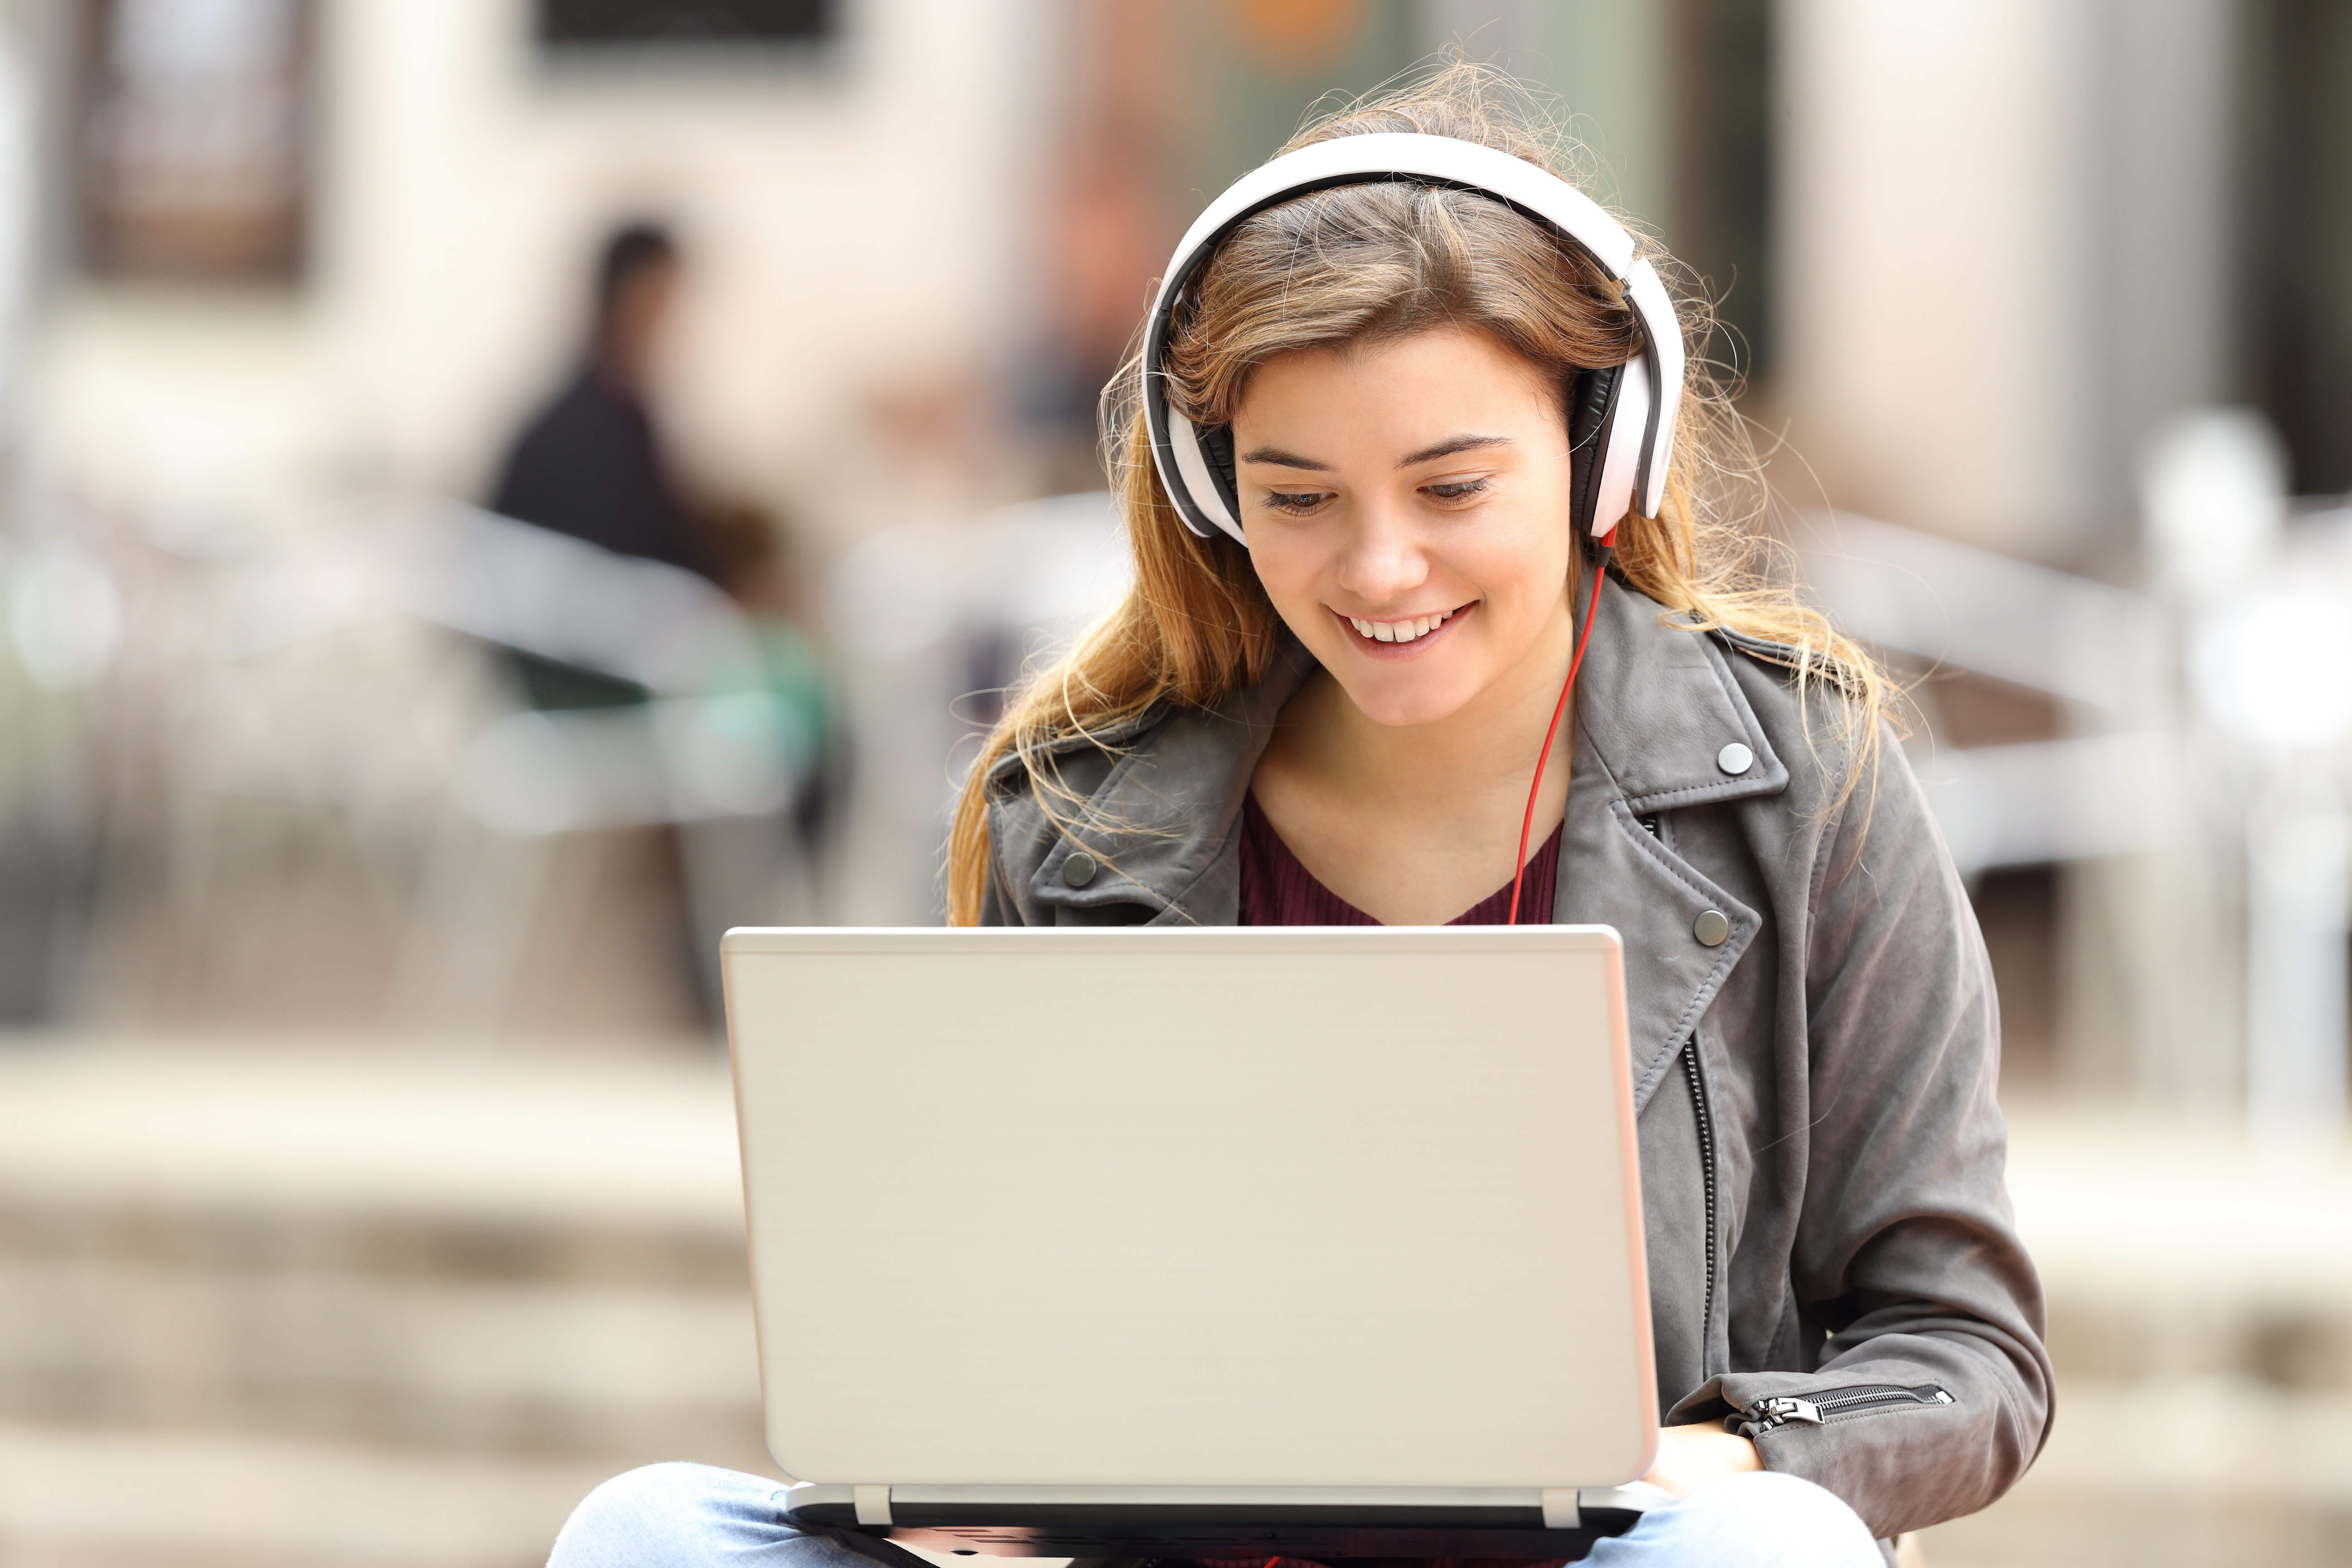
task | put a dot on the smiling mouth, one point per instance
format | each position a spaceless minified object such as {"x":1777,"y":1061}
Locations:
{"x":1405,"y":631}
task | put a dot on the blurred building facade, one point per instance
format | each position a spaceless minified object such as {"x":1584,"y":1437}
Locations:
{"x":857,"y":194}
{"x":1968,"y":261}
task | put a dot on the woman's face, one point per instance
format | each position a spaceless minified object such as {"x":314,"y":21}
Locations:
{"x":1407,"y":507}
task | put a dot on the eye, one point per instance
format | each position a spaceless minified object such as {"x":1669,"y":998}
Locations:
{"x":1297,"y":504}
{"x":1455,"y":489}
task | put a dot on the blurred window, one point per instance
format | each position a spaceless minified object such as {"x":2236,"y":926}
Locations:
{"x":606,"y":22}
{"x":191,"y":140}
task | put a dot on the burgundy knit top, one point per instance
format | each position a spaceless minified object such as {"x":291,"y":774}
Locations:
{"x":1276,"y":890}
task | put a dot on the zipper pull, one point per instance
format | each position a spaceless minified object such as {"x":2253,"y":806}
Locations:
{"x":1769,"y":1415}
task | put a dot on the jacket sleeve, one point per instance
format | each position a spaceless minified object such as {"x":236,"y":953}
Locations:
{"x":1907,"y":1254}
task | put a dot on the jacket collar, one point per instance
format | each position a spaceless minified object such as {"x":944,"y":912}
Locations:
{"x":1656,"y":704}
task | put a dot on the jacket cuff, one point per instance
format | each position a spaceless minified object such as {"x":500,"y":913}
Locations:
{"x":1883,"y":1439}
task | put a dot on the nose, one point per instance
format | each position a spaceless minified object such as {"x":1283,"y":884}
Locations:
{"x":1382,"y":561}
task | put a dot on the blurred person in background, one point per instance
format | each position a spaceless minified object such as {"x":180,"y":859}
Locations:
{"x":590,"y":465}
{"x":1320,"y":705}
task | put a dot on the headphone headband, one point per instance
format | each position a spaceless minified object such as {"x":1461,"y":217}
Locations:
{"x":1637,"y":472}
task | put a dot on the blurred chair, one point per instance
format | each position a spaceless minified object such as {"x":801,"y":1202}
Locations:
{"x":649,"y":706}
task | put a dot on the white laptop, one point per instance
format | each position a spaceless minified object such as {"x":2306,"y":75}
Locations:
{"x":1303,"y":1241}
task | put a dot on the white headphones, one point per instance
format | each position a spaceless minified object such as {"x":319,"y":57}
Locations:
{"x":1633,"y":404}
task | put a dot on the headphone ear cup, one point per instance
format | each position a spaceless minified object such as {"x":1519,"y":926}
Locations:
{"x":1591,"y":399}
{"x":1188,"y":461}
{"x":1217,"y":447}
{"x":1622,"y":438}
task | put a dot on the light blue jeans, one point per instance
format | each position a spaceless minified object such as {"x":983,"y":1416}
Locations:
{"x":696,"y":1516}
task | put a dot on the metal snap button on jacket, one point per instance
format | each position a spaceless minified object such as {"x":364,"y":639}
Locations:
{"x":1710,"y":927}
{"x":1735,"y":758}
{"x":1080,"y":869}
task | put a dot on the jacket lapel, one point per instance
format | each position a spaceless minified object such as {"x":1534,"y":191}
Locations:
{"x":1159,"y":826}
{"x":1655,"y":707}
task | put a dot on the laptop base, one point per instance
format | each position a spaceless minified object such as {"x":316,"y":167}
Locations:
{"x":1201,"y":1538}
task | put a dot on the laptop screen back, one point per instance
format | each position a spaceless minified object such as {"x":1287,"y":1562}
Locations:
{"x":1226,"y":1209}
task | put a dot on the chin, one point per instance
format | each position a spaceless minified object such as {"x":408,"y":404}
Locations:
{"x":1401,"y":703}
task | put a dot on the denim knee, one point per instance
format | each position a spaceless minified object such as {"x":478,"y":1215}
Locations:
{"x":1759,"y":1519}
{"x":672,"y":1513}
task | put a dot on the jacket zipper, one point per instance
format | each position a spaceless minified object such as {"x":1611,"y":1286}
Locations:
{"x":1706,"y":1169}
{"x":1771,"y":1414}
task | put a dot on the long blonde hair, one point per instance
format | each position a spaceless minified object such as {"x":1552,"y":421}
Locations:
{"x":1368,"y":262}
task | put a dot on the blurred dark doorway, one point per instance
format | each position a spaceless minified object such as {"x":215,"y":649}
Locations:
{"x":2298,"y":253}
{"x":2018,"y":908}
{"x":574,"y":24}
{"x":1723,"y":169}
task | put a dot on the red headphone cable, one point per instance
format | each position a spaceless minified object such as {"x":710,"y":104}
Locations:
{"x":1527,"y":823}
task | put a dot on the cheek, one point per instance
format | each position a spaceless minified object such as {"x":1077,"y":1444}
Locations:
{"x":1523,"y":572}
{"x":1286,"y":569}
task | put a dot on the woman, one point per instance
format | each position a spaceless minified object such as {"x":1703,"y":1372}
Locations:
{"x":1333,"y":718}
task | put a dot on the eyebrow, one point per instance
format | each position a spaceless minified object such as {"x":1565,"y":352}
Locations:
{"x":1279,"y":458}
{"x":1276,"y":456}
{"x":1448,"y":448}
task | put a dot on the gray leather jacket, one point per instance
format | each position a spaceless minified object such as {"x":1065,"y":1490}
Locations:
{"x":1832,"y":1260}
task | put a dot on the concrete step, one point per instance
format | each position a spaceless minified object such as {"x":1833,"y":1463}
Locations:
{"x":541,"y":1365}
{"x":2208,"y":1470}
{"x":540,"y":1258}
{"x":2182,"y":1247}
{"x":2200,"y":1281}
{"x":83,"y":1498}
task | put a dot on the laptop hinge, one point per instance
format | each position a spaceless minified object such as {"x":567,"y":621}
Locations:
{"x":1560,"y":1510}
{"x":873,"y":1504}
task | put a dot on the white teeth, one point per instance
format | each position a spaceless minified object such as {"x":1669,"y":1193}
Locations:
{"x":1399,"y":631}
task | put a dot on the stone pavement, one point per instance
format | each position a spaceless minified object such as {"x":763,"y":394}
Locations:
{"x":392,"y":1306}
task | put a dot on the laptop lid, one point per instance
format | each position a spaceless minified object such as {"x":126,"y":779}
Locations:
{"x":1193,"y":1216}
